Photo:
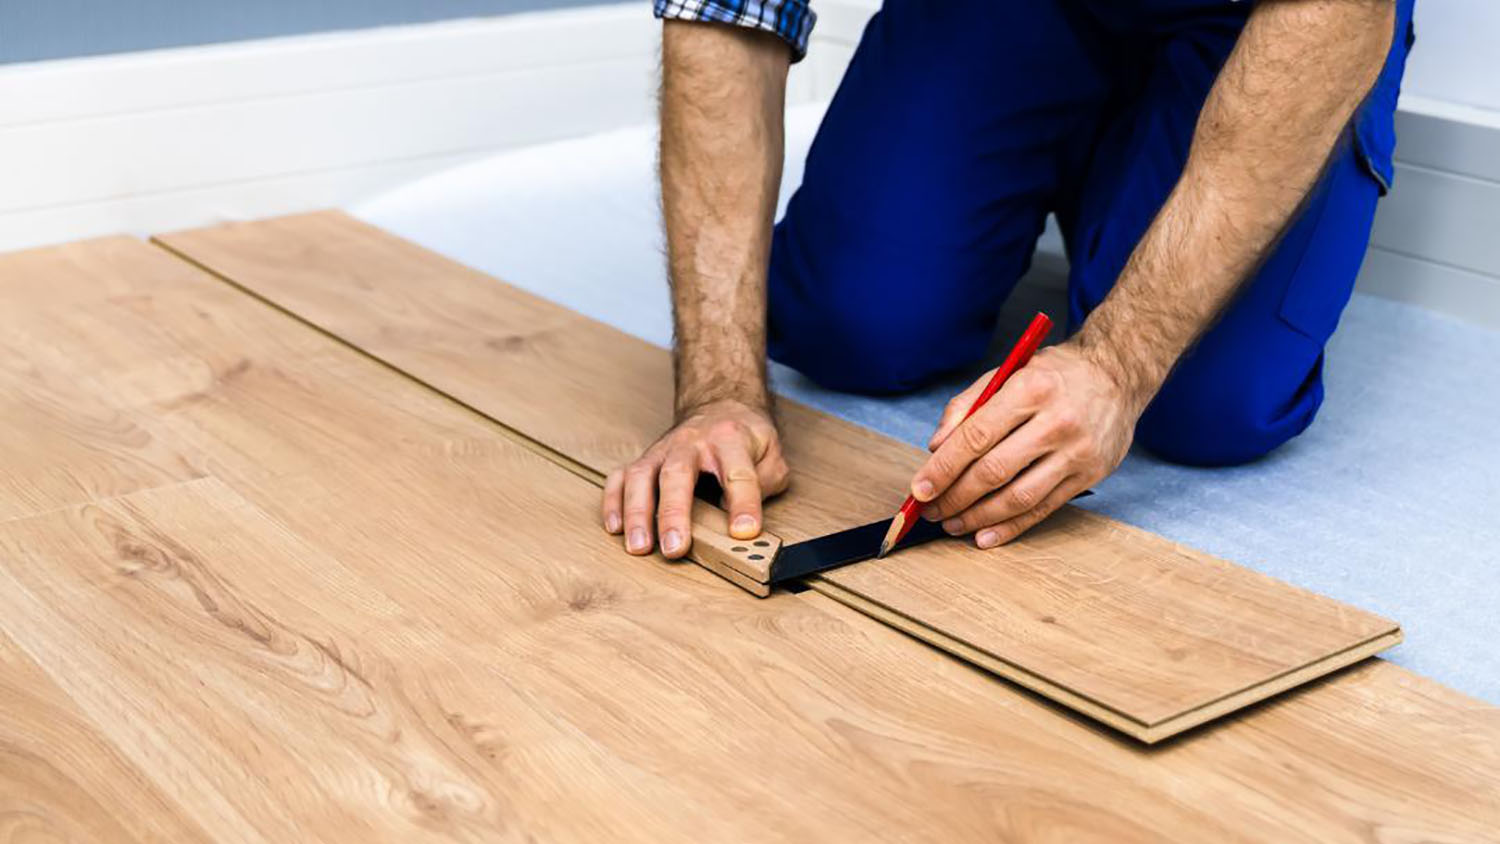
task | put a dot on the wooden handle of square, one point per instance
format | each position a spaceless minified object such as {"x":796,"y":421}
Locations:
{"x":744,"y":562}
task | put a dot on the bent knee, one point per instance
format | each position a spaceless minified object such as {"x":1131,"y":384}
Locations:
{"x":1224,"y":427}
{"x":842,"y":346}
{"x":846,"y":315}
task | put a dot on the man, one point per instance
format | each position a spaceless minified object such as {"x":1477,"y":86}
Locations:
{"x":1214,"y":166}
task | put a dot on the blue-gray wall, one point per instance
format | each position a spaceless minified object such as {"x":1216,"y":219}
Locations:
{"x":32,"y":30}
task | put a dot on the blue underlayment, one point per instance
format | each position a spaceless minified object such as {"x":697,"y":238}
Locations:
{"x":1391,"y":501}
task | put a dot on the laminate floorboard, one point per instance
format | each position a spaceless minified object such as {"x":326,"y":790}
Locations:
{"x":379,"y":620}
{"x":60,"y":779}
{"x":1143,"y":634}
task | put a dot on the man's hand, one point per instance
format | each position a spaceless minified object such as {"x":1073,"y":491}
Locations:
{"x":735,"y":442}
{"x":1066,"y":420}
{"x":722,"y":97}
{"x":1059,"y":425}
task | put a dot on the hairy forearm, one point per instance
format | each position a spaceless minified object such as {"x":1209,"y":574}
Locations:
{"x":1276,"y":111}
{"x":723,"y":93}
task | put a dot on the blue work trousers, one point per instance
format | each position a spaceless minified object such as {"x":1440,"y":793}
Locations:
{"x":961,"y":124}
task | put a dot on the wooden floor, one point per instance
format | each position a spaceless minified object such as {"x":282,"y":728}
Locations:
{"x":1147,"y":636}
{"x":256,"y":586}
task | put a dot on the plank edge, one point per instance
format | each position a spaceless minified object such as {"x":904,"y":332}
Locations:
{"x":1146,"y":732}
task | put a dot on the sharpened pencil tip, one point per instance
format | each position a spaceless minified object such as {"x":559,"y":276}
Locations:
{"x":892,"y":535}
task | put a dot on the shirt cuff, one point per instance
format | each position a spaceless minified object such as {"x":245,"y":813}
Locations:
{"x":790,"y":20}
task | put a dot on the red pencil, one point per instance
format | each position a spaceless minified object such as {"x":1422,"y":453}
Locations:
{"x":906,"y":517}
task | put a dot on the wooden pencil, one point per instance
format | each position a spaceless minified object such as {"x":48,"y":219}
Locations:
{"x":1031,"y":340}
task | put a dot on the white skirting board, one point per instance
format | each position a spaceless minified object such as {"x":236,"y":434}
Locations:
{"x":171,"y":138}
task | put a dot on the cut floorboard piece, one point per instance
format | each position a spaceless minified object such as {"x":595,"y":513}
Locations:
{"x":1124,"y":626}
{"x":381,"y":611}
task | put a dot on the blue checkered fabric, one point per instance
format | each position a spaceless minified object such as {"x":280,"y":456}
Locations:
{"x":790,"y":20}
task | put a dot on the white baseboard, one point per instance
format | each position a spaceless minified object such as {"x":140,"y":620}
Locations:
{"x":1435,"y":242}
{"x":166,"y":139}
{"x":170,"y":138}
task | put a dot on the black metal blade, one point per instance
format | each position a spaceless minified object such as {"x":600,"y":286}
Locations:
{"x":840,"y":549}
{"x":854,"y":545}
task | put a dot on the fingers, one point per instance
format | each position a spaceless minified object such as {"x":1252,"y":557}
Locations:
{"x":651,"y":500}
{"x":994,"y":469}
{"x":639,"y":504}
{"x":957,"y":407}
{"x":1003,"y":532}
{"x":613,"y":502}
{"x":741,"y":483}
{"x":1010,"y":408}
{"x":679,"y":474}
{"x":1026,"y":492}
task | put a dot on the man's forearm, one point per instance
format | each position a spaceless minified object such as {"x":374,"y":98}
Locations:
{"x":723,"y":93}
{"x":1284,"y":97}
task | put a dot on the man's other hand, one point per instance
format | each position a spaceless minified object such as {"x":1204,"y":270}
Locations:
{"x":653,"y":496}
{"x":1058,"y":426}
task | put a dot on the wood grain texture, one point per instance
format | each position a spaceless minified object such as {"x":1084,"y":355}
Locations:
{"x":381,"y":610}
{"x":1144,"y":634}
{"x":60,"y":778}
{"x":46,"y":415}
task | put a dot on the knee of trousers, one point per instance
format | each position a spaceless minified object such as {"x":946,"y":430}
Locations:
{"x":852,"y":320}
{"x":1218,"y":422}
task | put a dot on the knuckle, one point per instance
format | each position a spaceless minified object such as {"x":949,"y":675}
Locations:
{"x":992,"y":471}
{"x":1022,"y":498}
{"x":1032,"y":518}
{"x":1067,"y":422}
{"x":671,"y":513}
{"x":636,"y":513}
{"x":1039,"y":387}
{"x":676,"y":471}
{"x":724,"y":429}
{"x":940,"y":465}
{"x":740,"y":474}
{"x":974,"y":436}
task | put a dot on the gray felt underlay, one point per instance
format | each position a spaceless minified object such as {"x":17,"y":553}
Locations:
{"x":1391,"y":501}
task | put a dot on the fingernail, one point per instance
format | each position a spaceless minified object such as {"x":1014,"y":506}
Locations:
{"x":671,"y":541}
{"x":637,"y":539}
{"x":922,"y":490}
{"x":612,"y":523}
{"x":987,"y":539}
{"x":744,"y":524}
{"x":930,"y":513}
{"x":953,"y":526}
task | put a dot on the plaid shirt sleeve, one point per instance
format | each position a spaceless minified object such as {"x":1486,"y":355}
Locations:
{"x":790,"y":20}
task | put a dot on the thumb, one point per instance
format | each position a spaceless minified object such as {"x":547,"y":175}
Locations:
{"x":956,"y":410}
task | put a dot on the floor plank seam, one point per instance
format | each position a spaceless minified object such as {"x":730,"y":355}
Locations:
{"x":520,"y":438}
{"x":103,"y":499}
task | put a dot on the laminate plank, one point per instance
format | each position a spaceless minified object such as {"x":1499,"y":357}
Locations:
{"x":46,"y":416}
{"x":1146,"y":635}
{"x":60,"y":780}
{"x":145,"y":632}
{"x":509,"y":656}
